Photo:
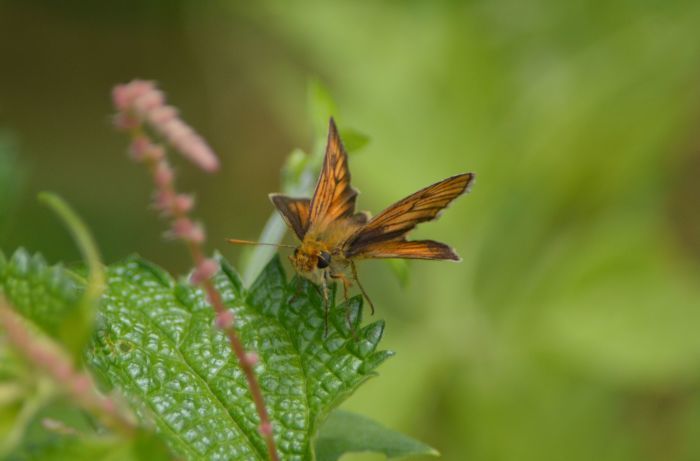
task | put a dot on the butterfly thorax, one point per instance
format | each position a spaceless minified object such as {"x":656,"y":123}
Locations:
{"x":322,"y":250}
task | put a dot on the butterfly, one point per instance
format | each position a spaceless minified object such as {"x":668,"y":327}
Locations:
{"x":333,"y":236}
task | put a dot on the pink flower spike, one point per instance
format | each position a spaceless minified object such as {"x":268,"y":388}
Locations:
{"x":163,"y":175}
{"x":265,"y":429}
{"x":204,"y":271}
{"x":251,"y":358}
{"x":124,"y":121}
{"x":120,"y":97}
{"x":183,"y":138}
{"x":197,"y":235}
{"x":156,"y":153}
{"x":185,"y":229}
{"x":61,"y":370}
{"x":81,"y":384}
{"x":139,"y":147}
{"x":201,"y":154}
{"x":164,"y":201}
{"x":225,"y":319}
{"x":124,"y":95}
{"x":182,"y":227}
{"x":183,"y":203}
{"x":148,"y":101}
{"x":109,"y":406}
{"x":162,"y":115}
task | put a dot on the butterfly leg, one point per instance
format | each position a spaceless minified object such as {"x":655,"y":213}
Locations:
{"x":297,"y":290}
{"x":346,"y":286}
{"x":326,"y":308}
{"x":357,"y":280}
{"x":346,"y":283}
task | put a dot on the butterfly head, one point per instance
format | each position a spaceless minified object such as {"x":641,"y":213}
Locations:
{"x":309,"y":260}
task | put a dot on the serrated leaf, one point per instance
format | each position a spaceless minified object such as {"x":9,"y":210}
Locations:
{"x":346,"y":432}
{"x":44,"y":294}
{"x":157,"y":344}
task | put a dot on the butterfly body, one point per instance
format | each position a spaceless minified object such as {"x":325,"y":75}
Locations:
{"x":319,"y":257}
{"x":332,"y":235}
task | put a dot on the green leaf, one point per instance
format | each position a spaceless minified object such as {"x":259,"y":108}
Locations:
{"x":157,"y":344}
{"x":399,"y":267}
{"x":321,"y":109}
{"x":346,"y":432}
{"x":353,"y":140}
{"x":44,"y":294}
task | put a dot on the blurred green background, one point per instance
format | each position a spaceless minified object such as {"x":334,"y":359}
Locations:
{"x":569,"y":331}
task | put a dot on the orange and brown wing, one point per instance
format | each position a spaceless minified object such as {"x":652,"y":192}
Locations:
{"x":333,"y":198}
{"x":295,"y":212}
{"x":417,"y":249}
{"x":391,"y":225}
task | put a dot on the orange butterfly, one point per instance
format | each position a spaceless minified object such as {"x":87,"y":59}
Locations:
{"x":333,"y":236}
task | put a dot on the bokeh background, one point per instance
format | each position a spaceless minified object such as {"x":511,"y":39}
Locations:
{"x":569,"y":331}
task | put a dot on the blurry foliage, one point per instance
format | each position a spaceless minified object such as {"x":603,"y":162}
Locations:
{"x":10,"y":181}
{"x":333,"y":441}
{"x":80,"y":441}
{"x":567,"y":331}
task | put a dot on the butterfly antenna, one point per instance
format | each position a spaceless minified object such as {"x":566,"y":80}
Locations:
{"x":250,"y":242}
{"x":364,"y":293}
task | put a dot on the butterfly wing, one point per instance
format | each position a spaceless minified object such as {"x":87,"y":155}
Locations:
{"x":294,"y":211}
{"x":384,"y":236}
{"x":417,"y":249}
{"x":333,"y":197}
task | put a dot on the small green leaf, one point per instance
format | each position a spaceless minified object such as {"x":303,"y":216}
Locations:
{"x":353,"y":140}
{"x":321,"y":108}
{"x":345,"y":432}
{"x":294,"y":169}
{"x":44,"y":294}
{"x":399,"y":267}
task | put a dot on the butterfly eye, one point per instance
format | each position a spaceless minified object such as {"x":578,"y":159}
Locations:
{"x":324,"y":259}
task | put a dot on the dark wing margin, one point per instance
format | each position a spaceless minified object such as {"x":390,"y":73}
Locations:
{"x":333,"y":197}
{"x":294,"y":211}
{"x":417,"y":249}
{"x":392,"y":224}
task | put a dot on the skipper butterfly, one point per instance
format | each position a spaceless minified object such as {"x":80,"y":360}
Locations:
{"x":333,"y":236}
